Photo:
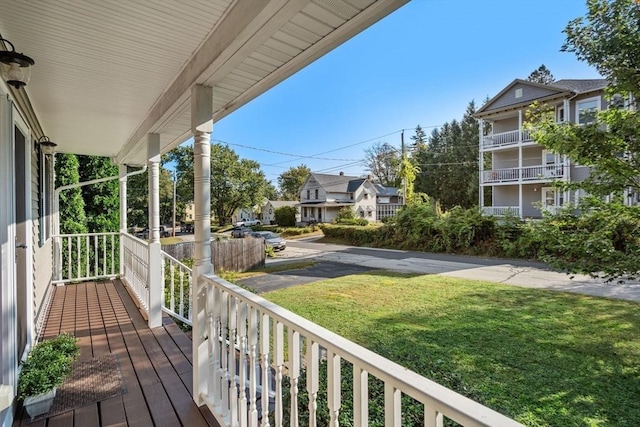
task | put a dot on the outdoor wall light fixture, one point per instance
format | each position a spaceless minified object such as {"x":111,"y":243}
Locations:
{"x":47,"y":146}
{"x":15,"y":67}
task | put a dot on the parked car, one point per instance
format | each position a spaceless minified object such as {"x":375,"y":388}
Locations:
{"x":240,"y":231}
{"x":248,"y":222}
{"x":145,"y":233}
{"x":271,"y":239}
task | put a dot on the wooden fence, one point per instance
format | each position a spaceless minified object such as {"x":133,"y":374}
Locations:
{"x":228,"y":255}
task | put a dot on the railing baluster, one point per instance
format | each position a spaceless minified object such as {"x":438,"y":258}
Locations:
{"x":360,"y":397}
{"x":233,"y":337}
{"x":313,"y":380}
{"x":333,"y":387}
{"x":211,"y":391}
{"x":432,"y":418}
{"x":392,"y":406}
{"x":264,"y":350}
{"x":253,"y":380}
{"x":69,"y":270}
{"x":278,"y":348}
{"x":172,"y":286}
{"x":87,"y":259}
{"x":223,"y":306}
{"x":104,"y":254}
{"x":294,"y":373}
{"x":79,"y":257}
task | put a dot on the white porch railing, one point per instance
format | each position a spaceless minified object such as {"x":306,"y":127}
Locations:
{"x":387,"y":210}
{"x":176,"y":288}
{"x":136,"y":267}
{"x":527,"y":173}
{"x":502,"y":139}
{"x":258,"y":345}
{"x":87,"y":256}
{"x":501,"y":210}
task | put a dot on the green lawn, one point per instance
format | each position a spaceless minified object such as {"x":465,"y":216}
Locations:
{"x":544,"y":358}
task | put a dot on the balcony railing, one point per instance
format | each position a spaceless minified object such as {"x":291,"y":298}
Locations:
{"x":501,"y":210}
{"x":253,"y":354}
{"x":527,"y":173}
{"x":258,"y":347}
{"x":80,"y":257}
{"x":503,"y":139}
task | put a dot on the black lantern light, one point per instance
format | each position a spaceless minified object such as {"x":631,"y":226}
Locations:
{"x":47,"y":146}
{"x":15,"y":67}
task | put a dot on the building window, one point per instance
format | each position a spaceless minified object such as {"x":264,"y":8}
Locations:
{"x":519,"y":93}
{"x":366,"y":196}
{"x":44,"y":196}
{"x":316,"y":194}
{"x":308,"y":194}
{"x":560,"y":115}
{"x":587,"y":110}
{"x":305,"y":212}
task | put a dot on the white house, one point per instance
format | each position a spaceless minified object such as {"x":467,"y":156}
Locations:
{"x":268,"y":211}
{"x":323,"y":195}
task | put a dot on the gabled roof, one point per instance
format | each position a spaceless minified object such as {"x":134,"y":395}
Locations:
{"x":332,"y":183}
{"x":539,"y":92}
{"x":354,"y":184}
{"x":381,"y":190}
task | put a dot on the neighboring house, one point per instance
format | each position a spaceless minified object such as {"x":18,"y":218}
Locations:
{"x":323,"y":195}
{"x":268,"y":213}
{"x":189,"y":212}
{"x":243,"y":214}
{"x":520,"y":173}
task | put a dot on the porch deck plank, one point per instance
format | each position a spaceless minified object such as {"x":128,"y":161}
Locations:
{"x":155,"y":364}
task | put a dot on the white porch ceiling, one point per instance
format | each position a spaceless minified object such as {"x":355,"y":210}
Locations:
{"x":108,"y":72}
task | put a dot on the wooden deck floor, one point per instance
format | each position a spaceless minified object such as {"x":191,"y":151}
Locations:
{"x":155,"y":363}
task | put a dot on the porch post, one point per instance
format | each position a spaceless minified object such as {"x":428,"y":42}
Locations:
{"x":201,"y":126}
{"x":122,"y":171}
{"x":155,"y":263}
{"x":520,"y":204}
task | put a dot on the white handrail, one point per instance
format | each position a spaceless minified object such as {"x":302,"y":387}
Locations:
{"x":256,"y":326}
{"x":85,"y":256}
{"x":136,"y":267}
{"x":177,"y":288}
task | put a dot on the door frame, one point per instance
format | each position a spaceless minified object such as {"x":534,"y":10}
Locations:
{"x":18,"y":121}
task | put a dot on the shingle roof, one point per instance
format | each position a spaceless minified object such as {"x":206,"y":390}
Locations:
{"x":354,"y":184}
{"x":334,"y":183}
{"x":385,"y":191}
{"x":281,"y":203}
{"x":582,"y":85}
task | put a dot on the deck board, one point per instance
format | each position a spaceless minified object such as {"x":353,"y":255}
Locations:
{"x":155,"y":364}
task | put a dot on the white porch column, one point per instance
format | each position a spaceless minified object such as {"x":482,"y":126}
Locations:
{"x":122,"y":171}
{"x":155,"y":263}
{"x":480,"y":164}
{"x":201,"y":126}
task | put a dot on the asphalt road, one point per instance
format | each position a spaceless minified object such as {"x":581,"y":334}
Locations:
{"x":342,"y":259}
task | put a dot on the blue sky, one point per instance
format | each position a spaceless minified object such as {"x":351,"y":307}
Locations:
{"x":420,"y":65}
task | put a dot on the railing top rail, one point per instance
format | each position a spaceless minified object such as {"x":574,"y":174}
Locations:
{"x":166,"y":255}
{"x":105,"y":233}
{"x":452,"y":404}
{"x":135,"y":239}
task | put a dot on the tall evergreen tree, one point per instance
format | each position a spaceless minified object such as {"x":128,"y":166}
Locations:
{"x":101,"y":200}
{"x":71,"y":204}
{"x":449,"y":162}
{"x":541,"y":75}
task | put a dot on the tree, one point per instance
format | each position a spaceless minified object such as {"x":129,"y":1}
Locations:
{"x":286,"y":216}
{"x":235,"y":182}
{"x":383,"y":161}
{"x":292,"y":180}
{"x":449,"y":162}
{"x":607,"y":39}
{"x":101,"y":200}
{"x":541,"y":75}
{"x":71,"y":205}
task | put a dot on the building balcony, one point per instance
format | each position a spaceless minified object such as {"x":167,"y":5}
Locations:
{"x":525,"y":174}
{"x":506,"y":139}
{"x":247,"y":356}
{"x":501,"y":211}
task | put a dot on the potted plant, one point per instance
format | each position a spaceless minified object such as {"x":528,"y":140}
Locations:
{"x":46,"y":367}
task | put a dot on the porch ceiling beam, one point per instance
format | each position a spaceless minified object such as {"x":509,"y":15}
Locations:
{"x":240,"y":24}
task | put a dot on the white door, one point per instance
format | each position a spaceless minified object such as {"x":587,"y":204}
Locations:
{"x":549,"y":199}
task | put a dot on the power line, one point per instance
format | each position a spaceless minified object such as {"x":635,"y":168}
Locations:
{"x":281,"y":153}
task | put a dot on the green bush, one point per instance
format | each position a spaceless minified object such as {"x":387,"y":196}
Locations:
{"x":47,"y":365}
{"x":286,"y":216}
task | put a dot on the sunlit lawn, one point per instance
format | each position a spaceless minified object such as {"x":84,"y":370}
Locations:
{"x":544,"y":358}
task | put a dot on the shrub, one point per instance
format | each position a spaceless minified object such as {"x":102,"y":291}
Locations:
{"x":47,"y":365}
{"x":286,"y":216}
{"x":345,"y":214}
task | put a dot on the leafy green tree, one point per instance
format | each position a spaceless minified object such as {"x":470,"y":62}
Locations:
{"x":101,"y":200}
{"x":235,"y":182}
{"x":286,"y":216}
{"x":541,"y":75}
{"x":291,"y":180}
{"x":383,"y":161}
{"x":608,"y":39}
{"x":71,"y":204}
{"x":138,"y":199}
